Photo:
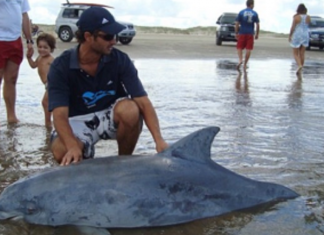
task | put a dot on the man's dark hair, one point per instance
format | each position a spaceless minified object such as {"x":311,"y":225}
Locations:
{"x":79,"y":35}
{"x":249,"y":3}
{"x":49,"y":38}
{"x":301,"y":9}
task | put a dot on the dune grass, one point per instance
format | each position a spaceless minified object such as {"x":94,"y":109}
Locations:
{"x":199,"y":30}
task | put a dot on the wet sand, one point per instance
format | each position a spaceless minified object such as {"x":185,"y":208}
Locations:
{"x":270,"y":119}
{"x":176,"y":46}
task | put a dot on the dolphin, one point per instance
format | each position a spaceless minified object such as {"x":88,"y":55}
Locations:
{"x":178,"y":185}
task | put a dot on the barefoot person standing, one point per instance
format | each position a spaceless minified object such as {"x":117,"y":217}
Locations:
{"x":45,"y":46}
{"x":13,"y":16}
{"x":244,"y":29}
{"x":299,"y":37}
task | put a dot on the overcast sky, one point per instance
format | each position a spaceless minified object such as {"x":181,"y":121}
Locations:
{"x":275,"y":15}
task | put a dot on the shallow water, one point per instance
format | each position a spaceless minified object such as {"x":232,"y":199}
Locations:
{"x":271,"y":129}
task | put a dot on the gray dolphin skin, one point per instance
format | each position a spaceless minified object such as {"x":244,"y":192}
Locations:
{"x":179,"y":185}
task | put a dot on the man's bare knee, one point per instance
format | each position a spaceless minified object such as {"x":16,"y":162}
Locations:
{"x":127,"y":111}
{"x":58,"y":149}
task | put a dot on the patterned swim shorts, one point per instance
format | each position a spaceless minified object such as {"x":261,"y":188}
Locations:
{"x":91,"y":128}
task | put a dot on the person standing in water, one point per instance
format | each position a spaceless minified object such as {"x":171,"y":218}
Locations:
{"x":13,"y":18}
{"x":299,"y":36}
{"x":245,"y":24}
{"x":45,"y":46}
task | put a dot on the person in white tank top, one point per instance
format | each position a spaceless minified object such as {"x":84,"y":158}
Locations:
{"x":299,"y":37}
{"x":13,"y":19}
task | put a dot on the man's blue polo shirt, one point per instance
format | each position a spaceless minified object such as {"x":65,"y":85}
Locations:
{"x":70,"y":86}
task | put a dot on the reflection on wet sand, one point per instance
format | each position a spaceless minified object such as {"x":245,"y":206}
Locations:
{"x":271,"y":129}
{"x":23,"y":150}
{"x":242,"y":90}
{"x":295,"y":95}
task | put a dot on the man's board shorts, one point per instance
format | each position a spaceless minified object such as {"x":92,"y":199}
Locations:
{"x":11,"y":50}
{"x":245,"y":41}
{"x":91,"y":128}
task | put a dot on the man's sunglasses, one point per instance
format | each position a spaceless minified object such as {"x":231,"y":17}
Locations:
{"x":106,"y":37}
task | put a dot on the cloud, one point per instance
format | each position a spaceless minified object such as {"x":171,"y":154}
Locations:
{"x":275,"y":15}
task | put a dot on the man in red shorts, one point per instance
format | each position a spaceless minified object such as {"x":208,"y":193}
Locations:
{"x":244,"y":29}
{"x":13,"y":17}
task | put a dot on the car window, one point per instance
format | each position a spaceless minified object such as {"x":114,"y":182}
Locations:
{"x":71,"y":13}
{"x":228,"y":19}
{"x":80,"y":12}
{"x":317,"y":23}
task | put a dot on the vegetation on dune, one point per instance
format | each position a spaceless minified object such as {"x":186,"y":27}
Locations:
{"x":194,"y":30}
{"x":199,"y":30}
{"x":210,"y":30}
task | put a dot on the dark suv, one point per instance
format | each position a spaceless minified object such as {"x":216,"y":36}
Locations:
{"x":316,"y":32}
{"x":226,"y":30}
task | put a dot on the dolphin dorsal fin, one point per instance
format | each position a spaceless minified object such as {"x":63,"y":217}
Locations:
{"x":194,"y":147}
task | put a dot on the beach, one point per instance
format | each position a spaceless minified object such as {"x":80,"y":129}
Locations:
{"x":271,"y":124}
{"x":200,"y":46}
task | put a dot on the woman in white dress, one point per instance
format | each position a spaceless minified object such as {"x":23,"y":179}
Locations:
{"x":299,"y":35}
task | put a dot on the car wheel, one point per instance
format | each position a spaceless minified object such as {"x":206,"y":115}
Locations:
{"x":218,"y":41}
{"x":308,"y":48}
{"x":125,"y":41}
{"x":65,"y":34}
{"x":322,"y":47}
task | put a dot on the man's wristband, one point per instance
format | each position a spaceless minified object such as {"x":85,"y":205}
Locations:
{"x":29,"y":41}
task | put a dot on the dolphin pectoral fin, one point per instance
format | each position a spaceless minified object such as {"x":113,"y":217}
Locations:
{"x":81,"y":230}
{"x":85,"y":230}
{"x":10,"y":215}
{"x":194,"y":147}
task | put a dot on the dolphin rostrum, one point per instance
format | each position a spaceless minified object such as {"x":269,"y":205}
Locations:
{"x":178,"y":185}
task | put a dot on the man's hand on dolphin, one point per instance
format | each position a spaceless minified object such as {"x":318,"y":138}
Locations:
{"x":161,"y":145}
{"x":73,"y":155}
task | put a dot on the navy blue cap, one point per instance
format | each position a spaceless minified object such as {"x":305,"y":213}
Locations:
{"x":99,"y":18}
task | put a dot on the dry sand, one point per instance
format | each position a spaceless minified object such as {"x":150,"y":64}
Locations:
{"x":203,"y":46}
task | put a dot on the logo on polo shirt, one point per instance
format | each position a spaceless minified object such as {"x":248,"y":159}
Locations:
{"x":90,"y":98}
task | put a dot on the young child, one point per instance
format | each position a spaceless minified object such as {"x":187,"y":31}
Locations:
{"x":45,"y":46}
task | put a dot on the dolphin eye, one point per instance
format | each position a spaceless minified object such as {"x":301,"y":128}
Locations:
{"x":31,"y":208}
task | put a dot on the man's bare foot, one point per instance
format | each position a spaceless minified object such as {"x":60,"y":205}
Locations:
{"x":239,"y":65}
{"x":245,"y":67}
{"x":299,"y":69}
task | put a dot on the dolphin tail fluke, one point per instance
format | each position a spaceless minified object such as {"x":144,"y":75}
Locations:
{"x":280,"y":192}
